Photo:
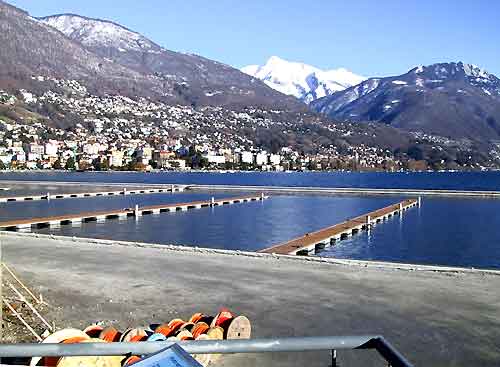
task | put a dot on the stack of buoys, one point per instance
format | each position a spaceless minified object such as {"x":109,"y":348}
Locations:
{"x":224,"y":325}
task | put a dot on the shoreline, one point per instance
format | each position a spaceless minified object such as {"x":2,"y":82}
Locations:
{"x":194,"y":250}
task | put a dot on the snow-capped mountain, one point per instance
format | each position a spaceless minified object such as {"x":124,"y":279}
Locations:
{"x":448,"y":99}
{"x":96,"y":32}
{"x":303,"y":81}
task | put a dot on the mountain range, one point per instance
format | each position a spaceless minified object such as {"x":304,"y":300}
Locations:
{"x":455,"y":100}
{"x":303,"y":81}
{"x":448,"y":99}
{"x":109,"y":58}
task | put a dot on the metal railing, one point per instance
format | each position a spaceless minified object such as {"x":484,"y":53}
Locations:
{"x":302,"y":344}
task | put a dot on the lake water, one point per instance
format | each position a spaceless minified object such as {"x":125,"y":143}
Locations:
{"x":445,"y":231}
{"x":417,"y":180}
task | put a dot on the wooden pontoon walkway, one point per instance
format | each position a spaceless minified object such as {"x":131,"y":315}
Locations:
{"x":49,"y":196}
{"x":314,"y":242}
{"x":121,"y":213}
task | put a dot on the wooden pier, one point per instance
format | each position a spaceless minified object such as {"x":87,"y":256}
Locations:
{"x":49,"y":196}
{"x":313,"y":242}
{"x":57,"y":221}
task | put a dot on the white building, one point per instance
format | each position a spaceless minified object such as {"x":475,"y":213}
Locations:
{"x":215,"y":159}
{"x":51,"y":149}
{"x":91,"y":148}
{"x":274,"y":159}
{"x":247,"y":157}
{"x":35,"y":149}
{"x":33,"y":157}
{"x":261,"y":159}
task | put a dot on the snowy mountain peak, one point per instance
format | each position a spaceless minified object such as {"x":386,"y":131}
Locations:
{"x":303,"y":81}
{"x":91,"y":32}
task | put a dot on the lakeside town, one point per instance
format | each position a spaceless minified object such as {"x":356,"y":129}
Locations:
{"x":63,"y":126}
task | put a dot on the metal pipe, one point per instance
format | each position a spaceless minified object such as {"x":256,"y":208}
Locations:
{"x":195,"y":347}
{"x":331,"y":343}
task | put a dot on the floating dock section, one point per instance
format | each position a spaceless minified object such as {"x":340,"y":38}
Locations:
{"x":314,"y":242}
{"x":49,"y":196}
{"x":56,"y":221}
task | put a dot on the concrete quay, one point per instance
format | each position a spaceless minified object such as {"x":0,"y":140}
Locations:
{"x":314,"y":242}
{"x":434,"y":318}
{"x":56,"y":221}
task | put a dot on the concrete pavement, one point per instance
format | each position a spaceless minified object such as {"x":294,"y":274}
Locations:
{"x":433,"y":318}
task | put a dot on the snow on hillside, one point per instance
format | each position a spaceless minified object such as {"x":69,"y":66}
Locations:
{"x":99,"y":32}
{"x":303,"y":81}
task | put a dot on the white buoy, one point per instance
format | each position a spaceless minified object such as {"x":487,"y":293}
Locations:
{"x":48,"y":196}
{"x":212,"y":201}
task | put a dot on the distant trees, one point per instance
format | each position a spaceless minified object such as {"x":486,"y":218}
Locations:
{"x":2,"y":166}
{"x":70,"y":164}
{"x":57,"y":165}
{"x":100,"y":165}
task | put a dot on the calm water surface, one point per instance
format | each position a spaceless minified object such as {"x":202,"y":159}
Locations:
{"x":445,"y":231}
{"x":418,"y":180}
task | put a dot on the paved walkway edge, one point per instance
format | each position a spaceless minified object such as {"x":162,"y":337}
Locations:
{"x":319,"y":260}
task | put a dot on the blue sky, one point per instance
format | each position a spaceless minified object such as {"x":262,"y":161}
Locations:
{"x":369,"y":37}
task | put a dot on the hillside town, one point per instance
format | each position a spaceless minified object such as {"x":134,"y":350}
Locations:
{"x":63,"y":126}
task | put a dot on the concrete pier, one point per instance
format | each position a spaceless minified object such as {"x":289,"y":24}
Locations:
{"x":121,"y":213}
{"x":125,"y":191}
{"x":311,"y":243}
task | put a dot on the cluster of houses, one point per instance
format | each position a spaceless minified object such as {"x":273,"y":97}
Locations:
{"x":116,"y":132}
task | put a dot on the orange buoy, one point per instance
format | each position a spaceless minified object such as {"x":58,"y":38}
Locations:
{"x":199,"y":329}
{"x":131,"y":333}
{"x":238,"y":328}
{"x":93,"y":330}
{"x":164,"y":329}
{"x":175,"y":324}
{"x":187,"y":326}
{"x":131,"y":360}
{"x":110,"y":334}
{"x":196,"y":317}
{"x":138,"y":338}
